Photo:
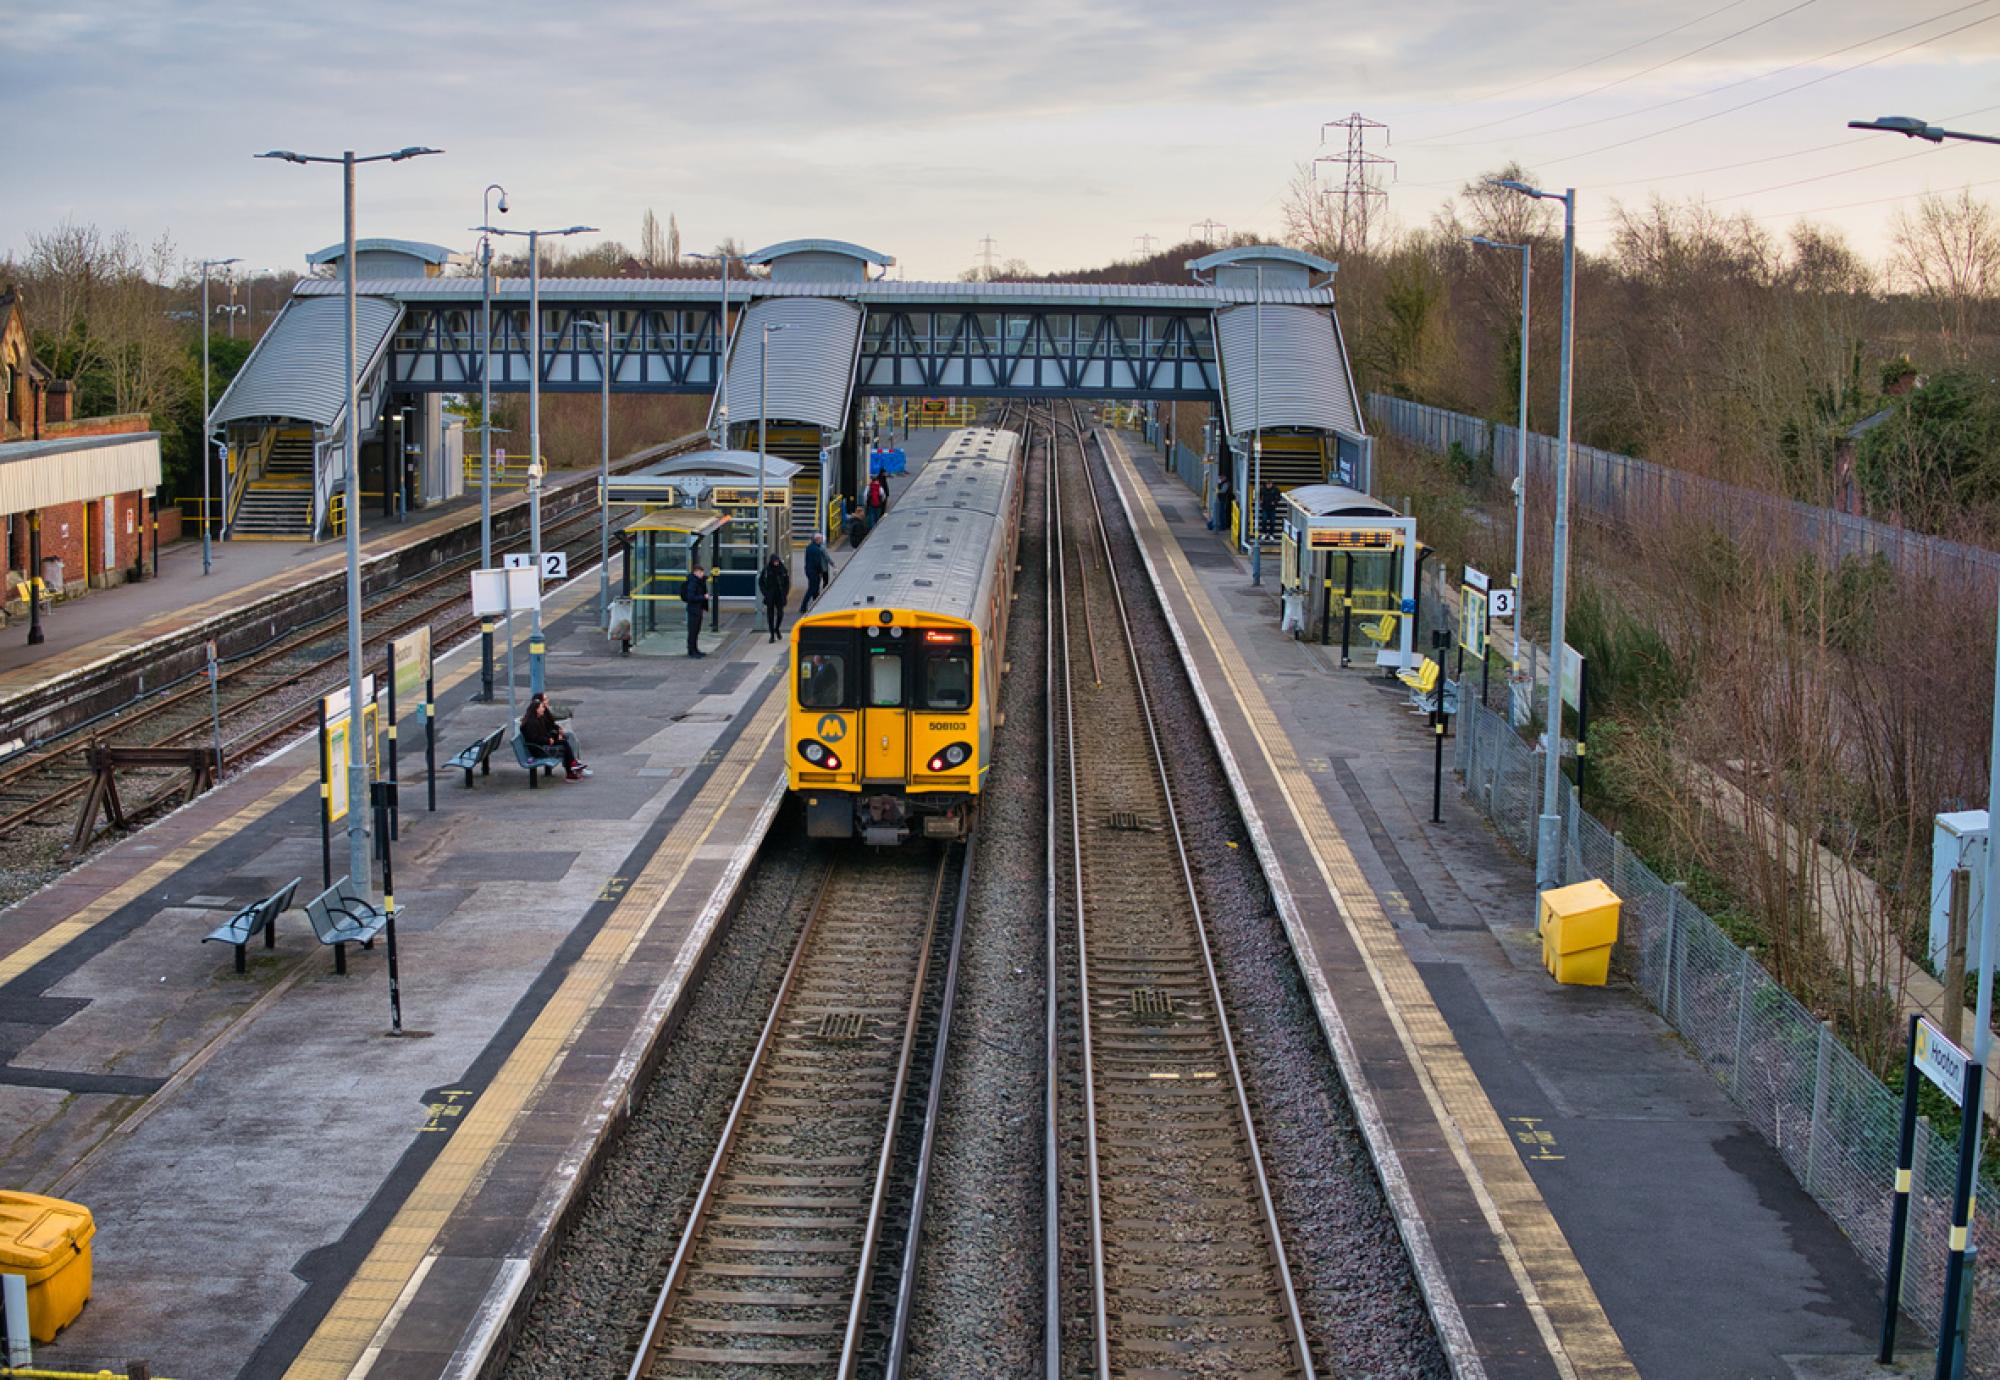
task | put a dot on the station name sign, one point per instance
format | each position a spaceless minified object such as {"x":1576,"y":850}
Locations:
{"x":1941,"y":1061}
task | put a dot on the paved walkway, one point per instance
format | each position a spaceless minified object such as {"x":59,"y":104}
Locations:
{"x":1629,"y":1190}
{"x":272,"y":1177}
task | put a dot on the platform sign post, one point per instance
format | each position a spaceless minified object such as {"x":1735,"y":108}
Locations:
{"x":409,"y":692}
{"x":1441,"y":644}
{"x":1575,"y":673}
{"x":385,"y":810}
{"x":1958,"y":1076}
{"x":215,"y":705}
{"x":336,"y":723}
{"x":504,"y":590}
{"x":391,"y":820}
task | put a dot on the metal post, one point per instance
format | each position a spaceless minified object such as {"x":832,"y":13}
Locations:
{"x":1951,"y":1354}
{"x":1256,"y":505}
{"x":604,"y":487}
{"x":722,"y":349}
{"x":385,"y":808}
{"x":35,"y":587}
{"x":535,"y":643}
{"x":1899,"y":1213}
{"x":1548,"y":857}
{"x":357,"y":759}
{"x":1982,"y":1024}
{"x":1816,"y":1127}
{"x":486,"y":459}
{"x":1521,"y":460}
{"x":215,"y":708}
{"x":763,"y":425}
{"x":206,"y":459}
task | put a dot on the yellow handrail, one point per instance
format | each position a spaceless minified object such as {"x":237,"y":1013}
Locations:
{"x":37,"y":1373}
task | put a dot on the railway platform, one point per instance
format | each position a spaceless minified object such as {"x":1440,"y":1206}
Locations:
{"x":1578,"y":1196}
{"x":280,"y":1187}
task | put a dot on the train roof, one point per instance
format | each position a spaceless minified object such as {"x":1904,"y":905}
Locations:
{"x":933,"y":549}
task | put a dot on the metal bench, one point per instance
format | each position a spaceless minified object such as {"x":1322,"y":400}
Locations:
{"x":341,"y":916}
{"x":479,"y":755}
{"x":240,"y":928}
{"x":535,"y":762}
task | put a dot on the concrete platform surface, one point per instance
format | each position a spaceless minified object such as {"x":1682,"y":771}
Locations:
{"x":270,"y":1172}
{"x":1641,"y":1221}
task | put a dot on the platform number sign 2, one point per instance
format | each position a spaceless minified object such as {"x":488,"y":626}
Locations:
{"x":555,"y":564}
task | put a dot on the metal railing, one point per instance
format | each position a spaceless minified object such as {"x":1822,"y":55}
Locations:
{"x":1632,"y":493}
{"x":1831,"y":1120}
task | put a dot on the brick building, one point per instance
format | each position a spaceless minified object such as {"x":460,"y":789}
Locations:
{"x":87,"y":483}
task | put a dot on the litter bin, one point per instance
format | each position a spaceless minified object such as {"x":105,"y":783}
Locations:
{"x":47,"y":1241}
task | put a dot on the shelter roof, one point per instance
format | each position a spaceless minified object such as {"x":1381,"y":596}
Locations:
{"x":846,"y":247}
{"x":375,"y":244}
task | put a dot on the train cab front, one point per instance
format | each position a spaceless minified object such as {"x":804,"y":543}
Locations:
{"x":885,"y":741}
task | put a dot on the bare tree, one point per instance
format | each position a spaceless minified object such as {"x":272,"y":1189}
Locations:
{"x":1948,"y":252}
{"x":1310,"y":219}
{"x":652,"y":244}
{"x":673,"y":241}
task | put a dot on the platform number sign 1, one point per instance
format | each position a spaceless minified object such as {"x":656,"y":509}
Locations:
{"x":555,"y":564}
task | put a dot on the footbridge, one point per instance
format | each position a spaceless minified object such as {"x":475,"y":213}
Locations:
{"x":1254,"y":326}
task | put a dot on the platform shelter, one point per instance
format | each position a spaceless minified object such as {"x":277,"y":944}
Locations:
{"x":1357,"y":564}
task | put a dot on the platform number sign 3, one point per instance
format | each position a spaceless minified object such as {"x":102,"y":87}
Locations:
{"x":1500,"y":603}
{"x":555,"y":564}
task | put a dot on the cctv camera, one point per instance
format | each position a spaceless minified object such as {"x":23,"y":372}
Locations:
{"x":503,"y":203}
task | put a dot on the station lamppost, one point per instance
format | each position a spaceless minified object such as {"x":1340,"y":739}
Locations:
{"x":1256,"y":505}
{"x":1548,"y":832}
{"x":537,"y":648}
{"x":206,"y":459}
{"x":1520,"y":437}
{"x":357,"y":761}
{"x":603,"y":329}
{"x":763,"y":422}
{"x":721,"y":345}
{"x":486,"y":427}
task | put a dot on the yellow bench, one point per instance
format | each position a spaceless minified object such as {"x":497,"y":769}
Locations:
{"x":1382,"y":631}
{"x":1426,"y":684}
{"x":1424,"y":679}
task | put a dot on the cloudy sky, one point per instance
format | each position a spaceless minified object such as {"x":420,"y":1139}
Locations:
{"x":1065,"y":131}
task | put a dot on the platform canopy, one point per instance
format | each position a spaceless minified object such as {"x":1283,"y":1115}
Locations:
{"x":813,"y":359}
{"x":80,"y":469}
{"x":1306,"y":382}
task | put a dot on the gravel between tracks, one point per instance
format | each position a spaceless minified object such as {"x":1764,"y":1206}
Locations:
{"x":978,"y":1308}
{"x":1364,"y":1314}
{"x":601,"y":1286}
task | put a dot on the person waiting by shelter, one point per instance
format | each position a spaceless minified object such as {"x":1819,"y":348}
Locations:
{"x":1220,"y":521}
{"x":774,"y":586}
{"x":819,"y":569}
{"x":694,"y":593}
{"x":548,"y":738}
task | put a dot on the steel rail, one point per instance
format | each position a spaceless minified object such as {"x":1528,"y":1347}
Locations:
{"x":1052,"y":1035}
{"x":1294,"y":1319}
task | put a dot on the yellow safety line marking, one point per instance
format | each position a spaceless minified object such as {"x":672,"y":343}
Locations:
{"x":1572,"y":1321}
{"x":351,"y":1325}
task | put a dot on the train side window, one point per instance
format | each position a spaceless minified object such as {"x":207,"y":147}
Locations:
{"x":948,"y":679}
{"x":885,"y":678}
{"x":823,"y":680}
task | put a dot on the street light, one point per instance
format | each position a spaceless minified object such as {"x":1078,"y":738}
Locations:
{"x":536,"y":647}
{"x":763,"y":421}
{"x":1257,"y":444}
{"x":1548,"y":833}
{"x":232,"y":311}
{"x":603,"y":328}
{"x":206,"y":265}
{"x":486,"y":430}
{"x":1911,"y":127}
{"x":1520,"y":439}
{"x":721,"y":345}
{"x":357,"y":761}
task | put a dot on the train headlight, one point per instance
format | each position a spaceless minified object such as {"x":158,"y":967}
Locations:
{"x":819,"y":754}
{"x":953,"y":755}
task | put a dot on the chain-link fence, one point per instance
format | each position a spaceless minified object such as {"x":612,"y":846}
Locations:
{"x":1829,"y":1117}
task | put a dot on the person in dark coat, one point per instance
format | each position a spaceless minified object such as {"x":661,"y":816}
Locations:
{"x":1220,"y":522}
{"x":857,"y":525}
{"x":819,"y":569}
{"x":774,"y":587}
{"x":878,"y":500}
{"x":694,"y":593}
{"x":547,"y":738}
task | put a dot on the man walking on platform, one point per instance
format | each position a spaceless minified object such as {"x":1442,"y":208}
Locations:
{"x":774,"y":587}
{"x":694,"y":593}
{"x":819,"y":568}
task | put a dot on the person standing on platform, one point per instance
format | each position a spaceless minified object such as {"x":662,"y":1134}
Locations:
{"x":819,"y":568}
{"x":878,"y":500}
{"x":774,"y":586}
{"x":694,"y":593}
{"x":1220,"y":522}
{"x":857,"y":525}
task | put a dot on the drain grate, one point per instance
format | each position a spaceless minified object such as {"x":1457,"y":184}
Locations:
{"x":841,"y":1025}
{"x":1151,"y":1004}
{"x":1126,"y":822}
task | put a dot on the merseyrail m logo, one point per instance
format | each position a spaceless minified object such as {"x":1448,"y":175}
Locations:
{"x":832,"y":728}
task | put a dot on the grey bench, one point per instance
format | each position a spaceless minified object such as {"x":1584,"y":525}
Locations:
{"x":536,"y":762}
{"x":479,"y":756}
{"x":341,"y":916}
{"x":242,"y":927}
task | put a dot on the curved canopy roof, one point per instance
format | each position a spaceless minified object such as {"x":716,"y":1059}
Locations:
{"x":1305,"y":378}
{"x":1337,"y":500}
{"x":298,"y":369}
{"x":812,"y":361}
{"x":843,"y":247}
{"x":416,"y":249}
{"x":729,"y":464}
{"x":1256,"y":253}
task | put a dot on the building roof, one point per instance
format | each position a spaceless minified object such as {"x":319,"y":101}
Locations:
{"x":1337,"y":500}
{"x":733,"y":464}
{"x":814,"y":359}
{"x":76,"y":469}
{"x":298,"y":369}
{"x":846,"y":247}
{"x":375,"y":244}
{"x":1305,"y":378}
{"x":1255,"y":253}
{"x":879,"y":292}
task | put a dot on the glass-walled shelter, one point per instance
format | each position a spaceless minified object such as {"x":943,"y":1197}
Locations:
{"x":659,"y":546}
{"x":1353,"y":562}
{"x":719,"y":484}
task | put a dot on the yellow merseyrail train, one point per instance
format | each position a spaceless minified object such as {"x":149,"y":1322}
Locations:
{"x":896,"y":671}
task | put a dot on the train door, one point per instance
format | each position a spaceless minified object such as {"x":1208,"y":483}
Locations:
{"x":885,"y":728}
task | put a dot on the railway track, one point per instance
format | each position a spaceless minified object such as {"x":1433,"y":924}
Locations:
{"x":1188,"y":1275}
{"x":780,"y":1270}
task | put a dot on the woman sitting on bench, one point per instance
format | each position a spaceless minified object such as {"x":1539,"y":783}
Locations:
{"x":542,"y":733}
